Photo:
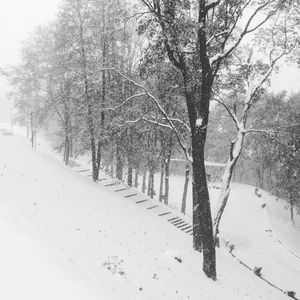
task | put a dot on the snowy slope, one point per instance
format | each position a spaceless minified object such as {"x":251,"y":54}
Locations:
{"x":64,"y":237}
{"x":247,"y":224}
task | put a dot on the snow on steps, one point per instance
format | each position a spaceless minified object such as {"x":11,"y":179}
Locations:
{"x":180,"y":221}
{"x":183,"y":223}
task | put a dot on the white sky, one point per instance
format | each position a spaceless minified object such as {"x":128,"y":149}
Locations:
{"x":19,"y":17}
{"x":287,"y":79}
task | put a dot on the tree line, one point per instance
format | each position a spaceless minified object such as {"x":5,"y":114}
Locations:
{"x":135,"y":85}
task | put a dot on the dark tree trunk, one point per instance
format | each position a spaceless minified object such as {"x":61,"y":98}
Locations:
{"x":71,"y":145}
{"x":67,"y":149}
{"x":90,"y":115}
{"x":167,"y":170}
{"x":152,"y":192}
{"x":292,"y":211}
{"x":95,"y":169}
{"x":167,"y":179}
{"x":129,"y":176}
{"x":99,"y":157}
{"x":144,"y":181}
{"x":292,"y":208}
{"x":260,"y":177}
{"x":203,"y":238}
{"x":67,"y":144}
{"x":136,"y":178}
{"x":185,"y":189}
{"x":162,"y":175}
{"x":119,"y":165}
{"x":112,"y":170}
{"x":151,"y":182}
{"x":198,"y":76}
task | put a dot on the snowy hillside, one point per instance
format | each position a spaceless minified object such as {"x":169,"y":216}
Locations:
{"x":64,"y":237}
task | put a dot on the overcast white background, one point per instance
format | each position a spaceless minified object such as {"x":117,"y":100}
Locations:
{"x":19,"y":17}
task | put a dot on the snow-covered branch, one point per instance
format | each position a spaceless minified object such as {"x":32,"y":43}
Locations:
{"x":230,"y":112}
{"x":182,"y":123}
{"x":157,"y":123}
{"x":126,"y":101}
{"x":246,"y":30}
{"x":158,"y":105}
{"x":267,"y":132}
{"x":153,"y":122}
{"x":253,"y":92}
{"x":215,"y":35}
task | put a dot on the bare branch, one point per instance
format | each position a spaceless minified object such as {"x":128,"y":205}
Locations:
{"x":212,"y":5}
{"x":230,"y":112}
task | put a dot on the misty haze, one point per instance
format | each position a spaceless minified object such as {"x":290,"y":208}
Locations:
{"x":149,"y":149}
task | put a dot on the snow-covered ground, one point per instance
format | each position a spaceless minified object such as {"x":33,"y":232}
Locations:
{"x":64,"y":237}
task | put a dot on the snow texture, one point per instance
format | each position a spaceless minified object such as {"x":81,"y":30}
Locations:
{"x":64,"y":237}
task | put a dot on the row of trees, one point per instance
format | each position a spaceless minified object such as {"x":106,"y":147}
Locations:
{"x":136,"y":88}
{"x":270,"y":159}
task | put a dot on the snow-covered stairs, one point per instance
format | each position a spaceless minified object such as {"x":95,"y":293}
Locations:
{"x":172,"y":216}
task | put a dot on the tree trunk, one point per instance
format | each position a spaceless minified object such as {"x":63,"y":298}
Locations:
{"x":136,"y":178}
{"x":185,"y":190}
{"x":152,"y":192}
{"x":95,"y":171}
{"x":67,"y":149}
{"x":112,"y":170}
{"x":144,"y":181}
{"x":129,"y":176}
{"x":119,"y":165}
{"x":32,"y":130}
{"x":203,"y":238}
{"x":151,"y":182}
{"x":292,"y":208}
{"x":167,"y":179}
{"x":235,"y":151}
{"x":292,"y":212}
{"x":198,"y":100}
{"x":90,"y":116}
{"x":162,"y":174}
{"x":67,"y":134}
{"x":99,"y":157}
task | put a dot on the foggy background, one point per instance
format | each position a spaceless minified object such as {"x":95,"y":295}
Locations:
{"x":18,"y":18}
